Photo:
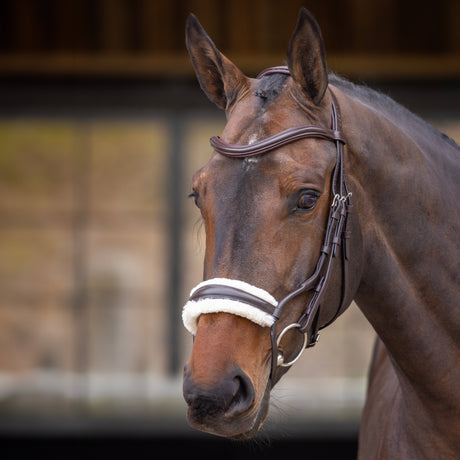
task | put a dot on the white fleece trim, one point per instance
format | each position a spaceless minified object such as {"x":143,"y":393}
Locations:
{"x":242,"y":285}
{"x":193,"y":309}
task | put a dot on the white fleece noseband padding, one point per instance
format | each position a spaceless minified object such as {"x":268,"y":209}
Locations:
{"x":193,"y":309}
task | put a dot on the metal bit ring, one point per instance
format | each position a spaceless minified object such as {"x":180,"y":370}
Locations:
{"x":280,"y":361}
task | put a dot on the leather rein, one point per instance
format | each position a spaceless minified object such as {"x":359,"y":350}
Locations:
{"x":335,"y":236}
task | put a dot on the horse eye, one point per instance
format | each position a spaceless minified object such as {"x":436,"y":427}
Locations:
{"x":307,"y":200}
{"x":194,"y":195}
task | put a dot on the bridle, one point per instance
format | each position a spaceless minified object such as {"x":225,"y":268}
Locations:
{"x":240,"y":295}
{"x":335,"y":235}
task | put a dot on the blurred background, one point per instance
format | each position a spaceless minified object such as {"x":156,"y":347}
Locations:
{"x":102,"y":124}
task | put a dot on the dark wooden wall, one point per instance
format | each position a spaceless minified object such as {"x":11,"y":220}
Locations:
{"x":147,"y":36}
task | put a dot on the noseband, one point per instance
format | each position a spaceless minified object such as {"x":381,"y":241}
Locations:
{"x":243,"y":299}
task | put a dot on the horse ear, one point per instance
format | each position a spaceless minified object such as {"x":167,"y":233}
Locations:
{"x":219,"y":78}
{"x":306,"y":57}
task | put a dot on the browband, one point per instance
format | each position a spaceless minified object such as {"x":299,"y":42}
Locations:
{"x":273,"y":142}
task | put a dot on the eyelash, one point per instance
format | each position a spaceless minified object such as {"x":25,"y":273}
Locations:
{"x":194,"y":195}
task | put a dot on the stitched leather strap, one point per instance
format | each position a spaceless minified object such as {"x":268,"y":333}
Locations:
{"x":273,"y":142}
{"x":219,"y":291}
{"x":271,"y":70}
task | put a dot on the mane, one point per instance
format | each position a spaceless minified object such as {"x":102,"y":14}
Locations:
{"x":391,"y":109}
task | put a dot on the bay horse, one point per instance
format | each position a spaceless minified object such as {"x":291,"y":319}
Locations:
{"x":319,"y":192}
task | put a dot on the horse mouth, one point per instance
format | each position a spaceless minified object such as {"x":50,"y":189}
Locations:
{"x":238,"y":427}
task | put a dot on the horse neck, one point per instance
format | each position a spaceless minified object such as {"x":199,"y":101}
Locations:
{"x":407,"y":186}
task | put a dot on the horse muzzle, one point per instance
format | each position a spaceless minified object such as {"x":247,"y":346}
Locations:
{"x":228,"y":408}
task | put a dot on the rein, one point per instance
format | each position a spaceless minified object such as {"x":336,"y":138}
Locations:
{"x":242,"y":299}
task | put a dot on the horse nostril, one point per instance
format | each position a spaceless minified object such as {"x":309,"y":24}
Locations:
{"x":244,"y":395}
{"x":234,"y":395}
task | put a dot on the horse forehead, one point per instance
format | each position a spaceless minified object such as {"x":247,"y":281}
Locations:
{"x":254,"y":118}
{"x":240,"y":173}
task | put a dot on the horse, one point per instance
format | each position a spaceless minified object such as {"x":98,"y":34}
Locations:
{"x":320,"y":192}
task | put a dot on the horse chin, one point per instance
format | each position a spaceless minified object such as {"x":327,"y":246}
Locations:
{"x":239,"y":427}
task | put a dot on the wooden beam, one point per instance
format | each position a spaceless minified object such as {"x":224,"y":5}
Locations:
{"x":362,"y":66}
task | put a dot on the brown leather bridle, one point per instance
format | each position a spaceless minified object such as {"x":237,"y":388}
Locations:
{"x":335,"y":235}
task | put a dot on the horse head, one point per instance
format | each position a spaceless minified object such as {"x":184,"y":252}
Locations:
{"x":279,"y":233}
